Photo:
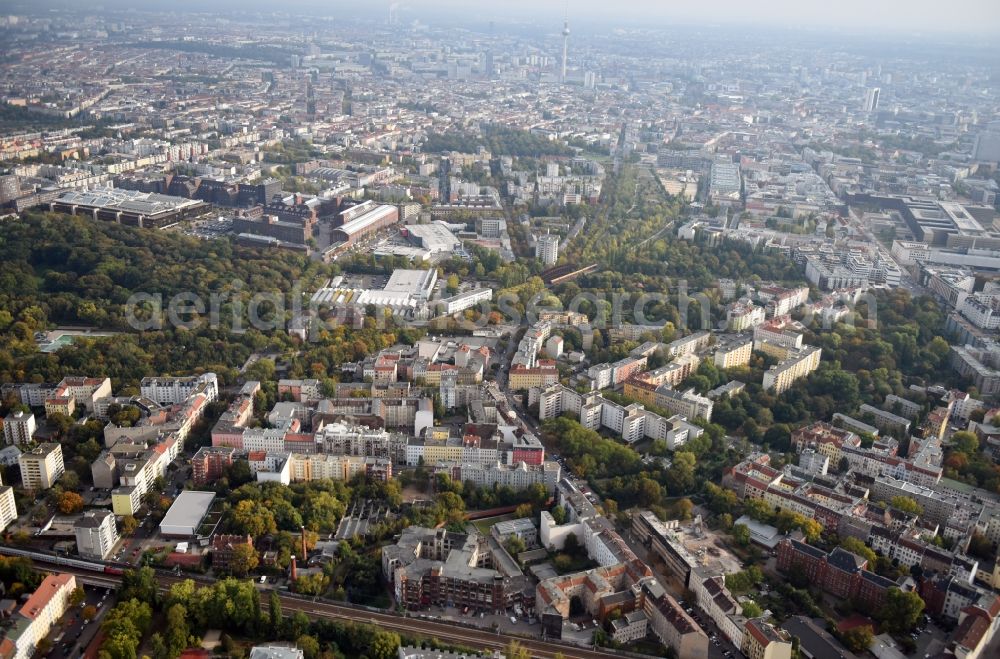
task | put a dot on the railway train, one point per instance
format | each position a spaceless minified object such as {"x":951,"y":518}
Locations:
{"x":116,"y":569}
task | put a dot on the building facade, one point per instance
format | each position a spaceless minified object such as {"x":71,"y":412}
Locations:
{"x":96,"y":534}
{"x":41,"y":467}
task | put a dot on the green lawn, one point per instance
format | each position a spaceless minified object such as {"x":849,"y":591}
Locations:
{"x":484,"y":524}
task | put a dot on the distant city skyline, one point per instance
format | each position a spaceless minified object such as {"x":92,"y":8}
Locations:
{"x":981,"y":16}
{"x":974,"y":17}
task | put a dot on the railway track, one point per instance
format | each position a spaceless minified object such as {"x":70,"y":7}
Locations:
{"x":409,"y":625}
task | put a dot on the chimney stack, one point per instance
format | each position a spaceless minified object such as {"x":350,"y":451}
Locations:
{"x":292,"y":571}
{"x":305,"y":552}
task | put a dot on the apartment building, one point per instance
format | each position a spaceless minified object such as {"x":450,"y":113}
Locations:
{"x":728,"y":390}
{"x":18,"y":427}
{"x":299,"y":390}
{"x":733,"y":353}
{"x":305,"y":468}
{"x":840,"y":573}
{"x":689,"y":345}
{"x":875,"y":462}
{"x":719,"y":604}
{"x":362,"y":441}
{"x":763,"y":641}
{"x":516,"y":476}
{"x":813,"y":462}
{"x":439,"y":567}
{"x":675,"y":628}
{"x":37,"y":616}
{"x":30,"y":394}
{"x":902,"y":406}
{"x":673,"y":373}
{"x":210,"y":463}
{"x":625,"y":368}
{"x":41,"y":467}
{"x":126,"y":500}
{"x":825,"y":439}
{"x":781,"y":330}
{"x":631,"y":627}
{"x":8,"y":507}
{"x":782,"y":301}
{"x":522,"y":378}
{"x":601,"y":376}
{"x":638,"y":389}
{"x":603,"y":590}
{"x":176,"y":390}
{"x":631,"y":422}
{"x":950,"y":597}
{"x":887,"y":421}
{"x":556,"y":400}
{"x":938,"y":507}
{"x":781,"y":377}
{"x":755,"y":478}
{"x":744,"y":315}
{"x":269,"y":439}
{"x":980,"y":364}
{"x":547,"y":249}
{"x":96,"y":534}
{"x":686,"y":403}
{"x":73,"y":391}
{"x":228,"y":430}
{"x":779,"y":351}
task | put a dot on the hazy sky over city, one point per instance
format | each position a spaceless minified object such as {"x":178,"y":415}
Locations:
{"x":927,"y":16}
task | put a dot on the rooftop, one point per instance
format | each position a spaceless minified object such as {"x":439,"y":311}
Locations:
{"x":275,"y":652}
{"x":42,"y":450}
{"x":93,"y":519}
{"x":188,"y":509}
{"x":130,"y":201}
{"x":409,"y":281}
{"x":520,"y":525}
{"x":815,"y":640}
{"x":43,"y":595}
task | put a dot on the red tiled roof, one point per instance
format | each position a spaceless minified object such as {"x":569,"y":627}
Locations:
{"x":51,"y":585}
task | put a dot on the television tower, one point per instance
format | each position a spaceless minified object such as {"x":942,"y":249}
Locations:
{"x":562,"y":78}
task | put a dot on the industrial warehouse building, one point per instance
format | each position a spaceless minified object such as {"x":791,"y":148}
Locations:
{"x":141,"y":209}
{"x":186,"y":513}
{"x":366,"y":224}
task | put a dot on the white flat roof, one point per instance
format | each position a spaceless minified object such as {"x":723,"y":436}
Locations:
{"x":186,"y":513}
{"x":362,"y":222}
{"x":149,"y":203}
{"x":409,"y":281}
{"x":435,"y":237}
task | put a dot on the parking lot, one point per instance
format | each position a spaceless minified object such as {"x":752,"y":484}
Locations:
{"x":506,"y":623}
{"x":214,"y":227}
{"x":128,"y":551}
{"x":930,"y":638}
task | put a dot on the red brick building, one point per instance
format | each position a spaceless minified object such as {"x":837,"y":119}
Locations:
{"x":210,"y":463}
{"x":223,"y":547}
{"x":840,"y":573}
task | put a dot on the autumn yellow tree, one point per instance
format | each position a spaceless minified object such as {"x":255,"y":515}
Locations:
{"x":70,"y":503}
